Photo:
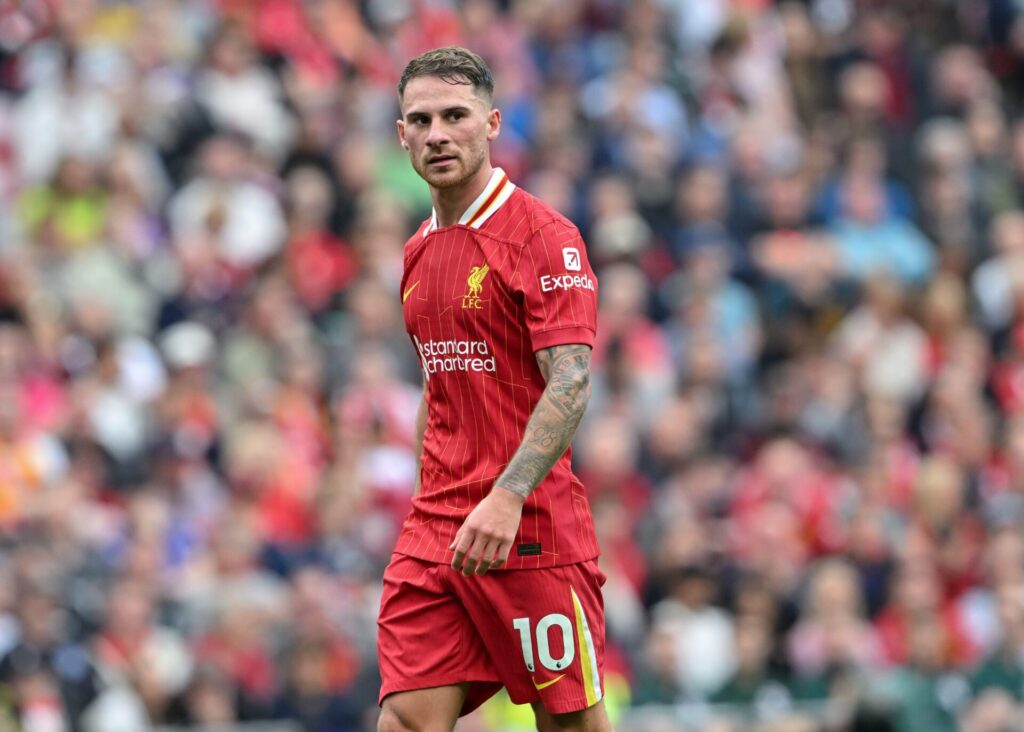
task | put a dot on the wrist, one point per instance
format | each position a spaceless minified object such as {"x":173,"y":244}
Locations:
{"x":506,"y":493}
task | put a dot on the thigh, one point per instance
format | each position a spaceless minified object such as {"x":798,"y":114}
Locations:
{"x":544,"y":631}
{"x":426,"y":640}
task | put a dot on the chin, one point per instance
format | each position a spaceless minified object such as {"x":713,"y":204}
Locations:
{"x":447,"y":179}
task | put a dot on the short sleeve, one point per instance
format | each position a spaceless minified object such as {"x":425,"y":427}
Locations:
{"x":559,"y":287}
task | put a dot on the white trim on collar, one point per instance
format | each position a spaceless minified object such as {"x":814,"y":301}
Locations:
{"x":497,"y":191}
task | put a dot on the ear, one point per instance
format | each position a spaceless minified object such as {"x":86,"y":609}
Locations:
{"x":400,"y":125}
{"x":493,"y":124}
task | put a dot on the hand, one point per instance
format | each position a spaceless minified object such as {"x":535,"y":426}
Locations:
{"x":485,"y":537}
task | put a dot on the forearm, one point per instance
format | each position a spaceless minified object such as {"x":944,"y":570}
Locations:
{"x":421,"y":428}
{"x":554,"y":420}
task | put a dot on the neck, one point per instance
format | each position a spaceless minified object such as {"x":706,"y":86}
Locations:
{"x":451,"y":203}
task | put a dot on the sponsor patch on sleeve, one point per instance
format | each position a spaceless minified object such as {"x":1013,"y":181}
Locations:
{"x":550,"y":283}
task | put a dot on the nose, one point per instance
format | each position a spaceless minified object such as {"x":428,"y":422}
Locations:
{"x":438,"y":134}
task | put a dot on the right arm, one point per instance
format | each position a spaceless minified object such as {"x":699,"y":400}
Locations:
{"x":421,"y":428}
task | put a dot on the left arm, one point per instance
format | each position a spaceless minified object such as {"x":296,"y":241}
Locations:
{"x":485,"y":539}
{"x":554,"y":419}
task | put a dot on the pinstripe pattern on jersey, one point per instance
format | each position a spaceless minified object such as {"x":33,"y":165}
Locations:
{"x":477,"y":418}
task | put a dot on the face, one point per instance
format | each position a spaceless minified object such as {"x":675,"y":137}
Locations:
{"x":447,"y":129}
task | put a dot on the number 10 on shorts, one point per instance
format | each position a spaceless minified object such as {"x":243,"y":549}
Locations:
{"x":544,"y":628}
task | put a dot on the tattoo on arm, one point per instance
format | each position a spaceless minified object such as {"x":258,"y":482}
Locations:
{"x":554,"y":419}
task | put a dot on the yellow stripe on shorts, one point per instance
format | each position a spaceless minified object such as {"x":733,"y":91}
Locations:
{"x":588,"y":656}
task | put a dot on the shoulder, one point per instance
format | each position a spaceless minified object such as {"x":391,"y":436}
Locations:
{"x":542,"y":220}
{"x":542,"y":215}
{"x":417,"y":237}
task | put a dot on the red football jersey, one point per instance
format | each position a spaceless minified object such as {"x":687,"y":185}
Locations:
{"x":479,"y":298}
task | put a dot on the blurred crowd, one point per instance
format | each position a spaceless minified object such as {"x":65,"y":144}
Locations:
{"x":805,"y":444}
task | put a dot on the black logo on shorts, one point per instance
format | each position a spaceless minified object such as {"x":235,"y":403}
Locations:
{"x":528,"y":550}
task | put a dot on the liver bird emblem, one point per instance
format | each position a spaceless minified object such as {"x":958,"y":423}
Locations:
{"x":476,"y":280}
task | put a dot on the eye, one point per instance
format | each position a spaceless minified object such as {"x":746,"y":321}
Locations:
{"x":456,"y":115}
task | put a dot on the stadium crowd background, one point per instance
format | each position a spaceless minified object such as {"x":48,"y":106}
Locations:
{"x":805,"y":445}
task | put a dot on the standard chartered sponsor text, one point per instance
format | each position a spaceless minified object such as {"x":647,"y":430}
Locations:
{"x":454,"y":355}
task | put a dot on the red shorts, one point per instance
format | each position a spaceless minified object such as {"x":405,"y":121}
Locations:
{"x":537,"y":632}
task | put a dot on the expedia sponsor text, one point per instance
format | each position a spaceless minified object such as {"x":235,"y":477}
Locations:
{"x":565,"y":281}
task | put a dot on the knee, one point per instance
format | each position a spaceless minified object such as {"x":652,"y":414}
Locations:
{"x":391,"y":720}
{"x":395,"y":719}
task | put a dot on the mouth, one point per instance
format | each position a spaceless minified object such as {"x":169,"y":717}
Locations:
{"x":440,"y":160}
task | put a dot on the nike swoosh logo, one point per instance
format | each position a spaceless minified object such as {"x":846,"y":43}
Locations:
{"x":546,"y":684}
{"x":405,"y":295}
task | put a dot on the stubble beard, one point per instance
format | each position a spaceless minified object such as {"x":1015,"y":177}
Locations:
{"x":442,"y":181}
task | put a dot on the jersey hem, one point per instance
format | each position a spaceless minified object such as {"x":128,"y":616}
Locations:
{"x":510,"y":566}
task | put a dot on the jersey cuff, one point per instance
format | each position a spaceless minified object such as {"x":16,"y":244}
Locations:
{"x":561,"y":337}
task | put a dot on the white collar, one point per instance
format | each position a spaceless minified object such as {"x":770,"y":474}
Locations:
{"x":498,"y":190}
